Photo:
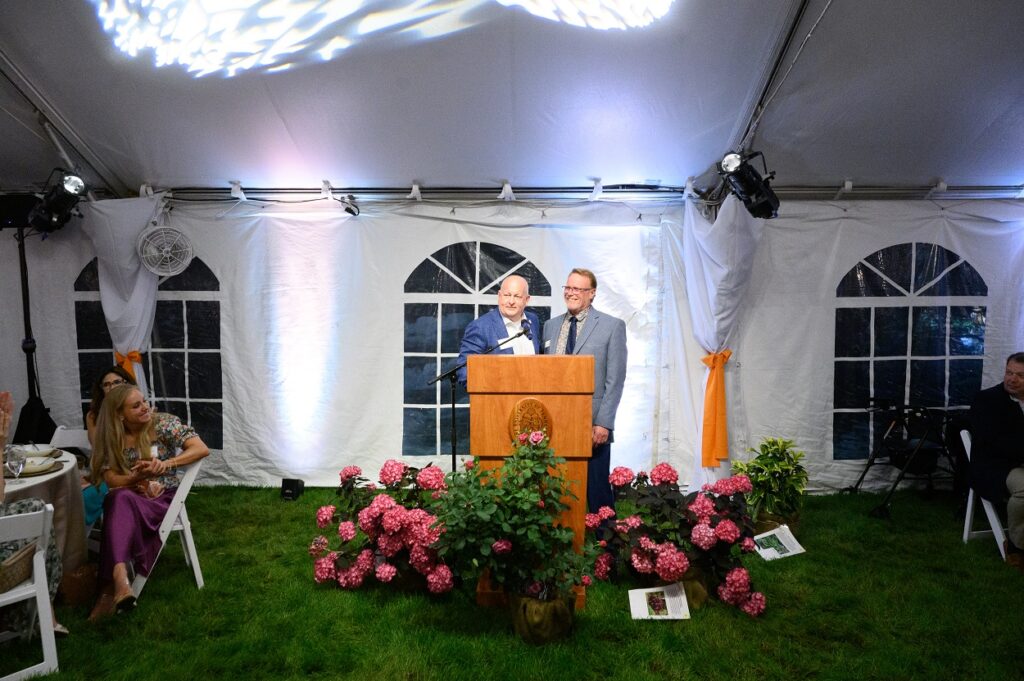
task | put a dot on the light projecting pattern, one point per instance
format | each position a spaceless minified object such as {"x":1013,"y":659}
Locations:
{"x":228,"y":37}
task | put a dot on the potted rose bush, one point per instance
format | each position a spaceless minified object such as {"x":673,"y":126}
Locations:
{"x":658,"y":533}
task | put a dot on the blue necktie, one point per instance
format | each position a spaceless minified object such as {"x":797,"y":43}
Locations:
{"x":570,"y":343}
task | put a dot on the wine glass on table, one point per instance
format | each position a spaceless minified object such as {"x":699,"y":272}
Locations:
{"x":14,"y":461}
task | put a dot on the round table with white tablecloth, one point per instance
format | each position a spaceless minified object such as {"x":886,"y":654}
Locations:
{"x":61,"y":487}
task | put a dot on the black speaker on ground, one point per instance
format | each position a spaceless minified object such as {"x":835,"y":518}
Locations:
{"x":291,"y":489}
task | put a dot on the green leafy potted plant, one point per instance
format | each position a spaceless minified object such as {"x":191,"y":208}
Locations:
{"x":502,"y":522}
{"x":778,"y":479}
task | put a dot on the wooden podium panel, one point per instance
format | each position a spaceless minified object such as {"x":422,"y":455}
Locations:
{"x":564,"y":384}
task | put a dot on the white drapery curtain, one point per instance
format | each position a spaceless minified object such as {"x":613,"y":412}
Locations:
{"x":127,"y":289}
{"x":717,"y":258}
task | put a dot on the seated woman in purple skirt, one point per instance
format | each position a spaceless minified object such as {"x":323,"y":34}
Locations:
{"x":135,"y":451}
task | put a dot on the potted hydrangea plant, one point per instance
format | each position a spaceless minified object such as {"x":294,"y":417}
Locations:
{"x":384,"y":532}
{"x":658,"y":533}
{"x":501,"y":524}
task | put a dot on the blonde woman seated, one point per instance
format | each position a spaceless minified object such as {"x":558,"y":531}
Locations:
{"x":135,"y":451}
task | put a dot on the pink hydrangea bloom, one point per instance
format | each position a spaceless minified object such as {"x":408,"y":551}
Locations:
{"x":393,"y":518}
{"x":501,"y":547}
{"x":536,"y":437}
{"x":703,"y":536}
{"x":440,"y":580}
{"x":743,"y":485}
{"x":392,"y":471}
{"x":385,"y":572}
{"x":627,"y":524}
{"x":748,"y":545}
{"x":592,"y":521}
{"x":702,"y":507}
{"x":324,"y":569}
{"x":603,"y":565}
{"x":318,"y":546}
{"x":325,"y":516}
{"x":606,"y":512}
{"x":736,"y":587}
{"x":727,"y":531}
{"x":647,"y":544}
{"x":620,"y":476}
{"x":586,"y":581}
{"x":754,"y":605}
{"x":347,"y":530}
{"x":663,"y":473}
{"x":430,"y":477}
{"x":641,"y":561}
{"x":671,"y":563}
{"x":390,"y":544}
{"x":421,"y":559}
{"x":349,"y":472}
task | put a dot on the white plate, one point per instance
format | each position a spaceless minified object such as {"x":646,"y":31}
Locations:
{"x":37,"y":464}
{"x":35,"y":450}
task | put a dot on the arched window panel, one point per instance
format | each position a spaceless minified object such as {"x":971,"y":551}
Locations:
{"x":962,"y":280}
{"x":196,"y":277}
{"x":967,"y":330}
{"x":183,"y":366}
{"x":925,"y":353}
{"x":895,"y":262}
{"x":891,"y":331}
{"x":89,"y":278}
{"x":863,"y":282}
{"x":433,"y":333}
{"x":428,"y":277}
{"x":853,"y":332}
{"x":930,"y":261}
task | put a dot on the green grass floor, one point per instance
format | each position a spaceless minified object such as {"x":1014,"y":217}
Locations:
{"x":901,"y":598}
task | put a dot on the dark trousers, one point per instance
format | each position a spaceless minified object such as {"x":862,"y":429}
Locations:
{"x":599,"y":490}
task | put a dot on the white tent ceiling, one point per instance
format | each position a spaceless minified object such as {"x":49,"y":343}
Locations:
{"x":880,"y":93}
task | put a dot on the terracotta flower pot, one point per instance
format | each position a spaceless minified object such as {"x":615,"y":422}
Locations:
{"x":539,"y":621}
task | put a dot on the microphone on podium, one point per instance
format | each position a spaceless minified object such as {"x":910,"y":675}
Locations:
{"x":526,"y":328}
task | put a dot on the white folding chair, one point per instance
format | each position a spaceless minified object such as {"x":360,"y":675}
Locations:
{"x":34,"y":527}
{"x":994,"y":522}
{"x":177,"y":520}
{"x":71,"y":437}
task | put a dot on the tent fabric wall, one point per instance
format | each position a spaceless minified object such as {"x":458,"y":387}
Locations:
{"x":311,"y":321}
{"x":783,"y":369}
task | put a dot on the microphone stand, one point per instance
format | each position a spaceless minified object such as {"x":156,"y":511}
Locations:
{"x":452,"y":376}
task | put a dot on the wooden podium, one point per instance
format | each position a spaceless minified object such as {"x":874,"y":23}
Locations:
{"x":564,"y":385}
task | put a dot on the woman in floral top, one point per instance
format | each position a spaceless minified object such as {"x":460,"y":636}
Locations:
{"x":135,"y":451}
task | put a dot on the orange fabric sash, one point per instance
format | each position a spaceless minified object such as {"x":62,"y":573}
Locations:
{"x":128,"y":361}
{"x":715,"y":439}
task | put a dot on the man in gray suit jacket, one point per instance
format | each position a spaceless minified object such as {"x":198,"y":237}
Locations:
{"x":582,"y":330}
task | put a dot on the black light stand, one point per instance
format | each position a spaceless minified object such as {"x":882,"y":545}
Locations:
{"x":452,"y":376}
{"x":34,"y":422}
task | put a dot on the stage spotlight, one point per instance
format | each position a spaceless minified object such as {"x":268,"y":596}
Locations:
{"x":54,"y":209}
{"x":748,"y":185}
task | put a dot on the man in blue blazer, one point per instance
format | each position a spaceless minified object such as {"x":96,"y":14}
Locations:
{"x":582,"y":330}
{"x":997,"y":451}
{"x":507,"y":320}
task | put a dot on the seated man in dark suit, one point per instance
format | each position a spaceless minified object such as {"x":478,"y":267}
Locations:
{"x":508,"y":319}
{"x":997,"y":451}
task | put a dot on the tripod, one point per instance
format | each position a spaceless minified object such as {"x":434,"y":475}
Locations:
{"x":913,"y":442}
